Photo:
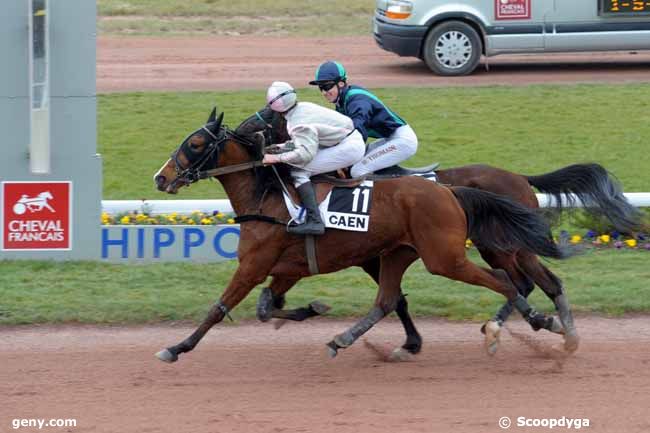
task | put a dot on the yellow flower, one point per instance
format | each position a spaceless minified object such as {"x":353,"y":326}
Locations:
{"x":575,"y":239}
{"x":125,"y":219}
{"x":206,"y":221}
{"x":219,"y":215}
{"x":604,"y":238}
{"x":231,"y":221}
{"x":468,"y":243}
{"x":631,"y":243}
{"x":140,"y":217}
{"x":191,"y":222}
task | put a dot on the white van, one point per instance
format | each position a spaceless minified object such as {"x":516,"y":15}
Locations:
{"x":451,"y":35}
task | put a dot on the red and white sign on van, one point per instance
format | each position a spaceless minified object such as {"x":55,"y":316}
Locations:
{"x":36,"y":215}
{"x":511,"y":9}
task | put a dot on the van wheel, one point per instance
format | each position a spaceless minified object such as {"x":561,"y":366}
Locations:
{"x":452,"y":48}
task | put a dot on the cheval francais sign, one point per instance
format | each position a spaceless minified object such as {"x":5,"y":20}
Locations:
{"x":36,"y":215}
{"x":512,"y":9}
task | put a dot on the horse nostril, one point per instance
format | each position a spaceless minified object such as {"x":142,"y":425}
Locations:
{"x":160,"y":181}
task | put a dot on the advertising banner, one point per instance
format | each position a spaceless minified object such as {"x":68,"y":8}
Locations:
{"x":512,"y":9}
{"x":36,"y":216}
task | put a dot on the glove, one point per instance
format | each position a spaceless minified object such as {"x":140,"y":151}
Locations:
{"x":285,"y":147}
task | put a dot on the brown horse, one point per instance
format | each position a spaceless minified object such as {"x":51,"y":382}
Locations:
{"x":589,"y":184}
{"x":410,"y":217}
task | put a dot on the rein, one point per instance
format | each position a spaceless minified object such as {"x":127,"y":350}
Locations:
{"x":194,"y":173}
{"x":229,"y":169}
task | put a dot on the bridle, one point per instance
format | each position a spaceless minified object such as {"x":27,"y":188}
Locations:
{"x":214,"y":144}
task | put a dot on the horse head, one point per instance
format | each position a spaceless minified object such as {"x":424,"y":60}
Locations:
{"x":265,"y":125}
{"x":203,"y":150}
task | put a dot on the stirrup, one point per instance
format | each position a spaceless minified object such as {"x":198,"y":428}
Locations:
{"x":307,"y":229}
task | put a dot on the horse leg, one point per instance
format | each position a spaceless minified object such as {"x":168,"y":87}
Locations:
{"x":510,"y":262}
{"x":413,"y":342}
{"x":392,"y":268}
{"x":552,"y":286}
{"x":271,"y":301}
{"x":245,"y":279}
{"x":453,"y":263}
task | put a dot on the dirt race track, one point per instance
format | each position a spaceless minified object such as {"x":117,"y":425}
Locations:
{"x":230,"y":63}
{"x":252,"y":378}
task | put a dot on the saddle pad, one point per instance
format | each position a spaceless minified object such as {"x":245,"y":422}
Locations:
{"x":343,"y":208}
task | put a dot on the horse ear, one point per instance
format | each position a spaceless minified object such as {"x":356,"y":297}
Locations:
{"x":215,"y":124}
{"x":213,"y":115}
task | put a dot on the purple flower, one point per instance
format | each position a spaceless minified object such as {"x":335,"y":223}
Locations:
{"x":618,"y":244}
{"x":591,"y":234}
{"x":214,"y":212}
{"x":615,"y":234}
{"x":647,"y":246}
{"x":640,"y":237}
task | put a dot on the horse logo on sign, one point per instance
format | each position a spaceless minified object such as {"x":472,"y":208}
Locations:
{"x":36,"y":215}
{"x":33,"y":204}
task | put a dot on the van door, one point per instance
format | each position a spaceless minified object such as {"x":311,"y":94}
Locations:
{"x":518,"y":25}
{"x":598,"y":25}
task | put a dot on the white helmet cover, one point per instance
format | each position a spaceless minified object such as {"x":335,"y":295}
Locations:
{"x":281,"y":96}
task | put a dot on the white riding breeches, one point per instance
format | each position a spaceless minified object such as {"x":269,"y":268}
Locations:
{"x":385,"y":152}
{"x":348,"y":152}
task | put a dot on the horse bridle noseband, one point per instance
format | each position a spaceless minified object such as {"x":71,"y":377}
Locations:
{"x":194,"y":172}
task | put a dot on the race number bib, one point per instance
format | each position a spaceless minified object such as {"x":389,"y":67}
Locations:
{"x":349,"y":208}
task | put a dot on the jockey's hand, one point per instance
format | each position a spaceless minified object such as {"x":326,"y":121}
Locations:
{"x":271,"y":159}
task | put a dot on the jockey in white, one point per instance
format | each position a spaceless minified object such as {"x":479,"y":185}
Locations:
{"x":322,"y":140}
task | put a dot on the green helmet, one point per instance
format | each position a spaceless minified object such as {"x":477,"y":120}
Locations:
{"x":329,"y":71}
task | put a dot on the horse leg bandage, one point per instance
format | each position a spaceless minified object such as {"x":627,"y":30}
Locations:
{"x":361,"y":327}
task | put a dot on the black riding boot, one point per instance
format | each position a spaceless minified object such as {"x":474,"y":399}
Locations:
{"x":313,"y":224}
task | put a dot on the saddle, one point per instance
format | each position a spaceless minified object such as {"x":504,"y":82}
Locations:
{"x":397,"y":171}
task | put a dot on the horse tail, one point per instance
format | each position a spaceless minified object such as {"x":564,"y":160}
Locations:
{"x":496,"y":222}
{"x":594,"y":187}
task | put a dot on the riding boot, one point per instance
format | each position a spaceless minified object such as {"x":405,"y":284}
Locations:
{"x":313,"y":224}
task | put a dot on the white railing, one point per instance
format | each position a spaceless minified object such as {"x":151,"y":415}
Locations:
{"x":157,"y":207}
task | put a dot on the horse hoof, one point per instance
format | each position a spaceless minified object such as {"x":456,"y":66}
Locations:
{"x":279,"y":324}
{"x":571,"y":342}
{"x":319,"y":308}
{"x":166,"y":356}
{"x":556,"y":326}
{"x":332,"y":349}
{"x":412,"y":348}
{"x":344,"y":340}
{"x":400,"y":355}
{"x":492,"y":333}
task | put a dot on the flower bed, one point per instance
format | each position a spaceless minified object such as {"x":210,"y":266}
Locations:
{"x":591,"y":239}
{"x":609,"y":240}
{"x":195,"y":218}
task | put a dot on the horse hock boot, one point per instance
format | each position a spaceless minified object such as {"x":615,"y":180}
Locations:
{"x":313,"y":224}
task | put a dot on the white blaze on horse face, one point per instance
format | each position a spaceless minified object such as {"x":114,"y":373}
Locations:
{"x":161,"y":169}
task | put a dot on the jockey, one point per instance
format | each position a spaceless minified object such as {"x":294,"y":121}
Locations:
{"x":322,"y":140}
{"x":396,"y":140}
